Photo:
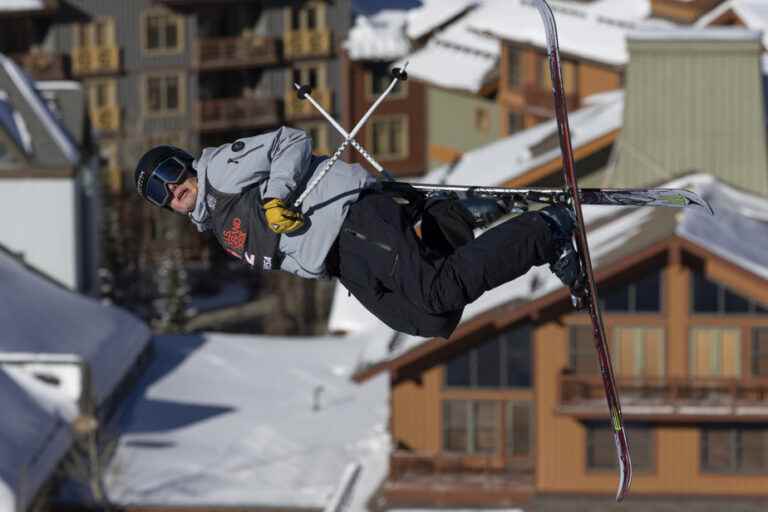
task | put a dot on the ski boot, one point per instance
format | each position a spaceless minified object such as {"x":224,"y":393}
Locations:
{"x":565,"y":264}
{"x":484,"y":211}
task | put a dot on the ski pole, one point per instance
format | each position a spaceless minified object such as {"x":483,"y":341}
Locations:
{"x":332,"y":161}
{"x":360,"y":149}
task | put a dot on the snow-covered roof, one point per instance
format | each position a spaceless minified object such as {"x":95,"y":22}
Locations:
{"x":512,"y":156}
{"x":229,"y":420}
{"x":614,"y":233}
{"x":39,"y":317}
{"x":457,"y":57}
{"x":22,"y":5}
{"x":38,"y":111}
{"x":591,"y":31}
{"x":434,"y":13}
{"x":387,"y":34}
{"x":32,"y":441}
{"x":378,"y":37}
{"x":754,"y":14}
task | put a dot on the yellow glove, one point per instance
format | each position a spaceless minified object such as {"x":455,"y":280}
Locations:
{"x":280,"y":218}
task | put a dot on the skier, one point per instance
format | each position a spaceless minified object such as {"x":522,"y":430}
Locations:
{"x":354,"y":228}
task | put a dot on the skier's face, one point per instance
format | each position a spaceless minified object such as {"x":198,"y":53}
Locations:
{"x":184,"y":195}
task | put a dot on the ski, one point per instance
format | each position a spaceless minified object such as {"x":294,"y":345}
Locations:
{"x":588,"y":296}
{"x":521,"y":197}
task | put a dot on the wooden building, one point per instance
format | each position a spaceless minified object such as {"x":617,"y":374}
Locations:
{"x":510,"y":411}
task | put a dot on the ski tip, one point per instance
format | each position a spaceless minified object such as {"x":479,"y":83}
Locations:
{"x":625,"y":479}
{"x":696,"y":200}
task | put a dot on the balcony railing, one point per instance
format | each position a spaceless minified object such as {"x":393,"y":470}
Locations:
{"x":536,"y":95}
{"x":95,"y":60}
{"x":42,"y":65}
{"x":229,"y":113}
{"x":235,"y":52}
{"x":106,"y":119}
{"x":673,"y":398}
{"x":306,"y":43}
{"x":296,"y":108}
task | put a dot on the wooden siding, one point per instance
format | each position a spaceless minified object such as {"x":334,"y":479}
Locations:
{"x":693,"y":105}
{"x":413,"y":105}
{"x":416,"y":421}
{"x":453,"y":125}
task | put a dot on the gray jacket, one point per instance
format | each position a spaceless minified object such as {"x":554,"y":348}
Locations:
{"x":284,"y":158}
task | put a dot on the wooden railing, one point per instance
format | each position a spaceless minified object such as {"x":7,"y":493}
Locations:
{"x":306,"y":43}
{"x":227,"y":113}
{"x":234,"y":52}
{"x":296,"y":108}
{"x":539,"y":96}
{"x":671,"y":395}
{"x":106,"y":119}
{"x":95,"y":60}
{"x":405,"y":464}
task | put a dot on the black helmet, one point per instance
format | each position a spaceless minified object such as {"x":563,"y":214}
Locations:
{"x":159,"y":167}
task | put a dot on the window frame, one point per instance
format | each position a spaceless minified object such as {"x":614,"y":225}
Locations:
{"x":164,"y":111}
{"x":631,"y":288}
{"x":398,"y":93}
{"x":406,"y":142}
{"x":735,"y":452}
{"x":722,"y":290}
{"x":166,"y":17}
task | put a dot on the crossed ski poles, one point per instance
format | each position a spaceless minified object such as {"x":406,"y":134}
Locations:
{"x":304,"y":92}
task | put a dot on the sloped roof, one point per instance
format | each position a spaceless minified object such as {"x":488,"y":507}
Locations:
{"x":754,"y":13}
{"x":457,"y":57}
{"x":53,"y":145}
{"x":616,"y":234}
{"x":39,"y":316}
{"x":32,"y":441}
{"x":512,"y":156}
{"x":228,"y":420}
{"x":594,"y":32}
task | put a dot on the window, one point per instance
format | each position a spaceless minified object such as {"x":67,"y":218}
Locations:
{"x":474,"y":427}
{"x":519,"y":429}
{"x":515,"y":122}
{"x":641,"y":296}
{"x":714,"y":298}
{"x":734,"y":450}
{"x":312,"y":75}
{"x":601,"y":451}
{"x":638,"y":351}
{"x":389,"y":137}
{"x":164,"y":95}
{"x":504,"y":361}
{"x":482,"y":120}
{"x":319,"y":134}
{"x":310,"y":16}
{"x":377,"y":79}
{"x":99,"y":33}
{"x":514,"y":70}
{"x":715,"y":352}
{"x":583,"y":359}
{"x":162,"y":32}
{"x":101,"y":93}
{"x":760,"y":352}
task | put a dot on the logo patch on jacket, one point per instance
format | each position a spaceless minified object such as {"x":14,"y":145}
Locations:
{"x":234,"y":238}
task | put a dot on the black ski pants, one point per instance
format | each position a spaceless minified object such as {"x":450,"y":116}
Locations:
{"x":422,"y":289}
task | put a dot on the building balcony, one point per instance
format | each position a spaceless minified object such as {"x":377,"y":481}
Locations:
{"x":668,"y":399}
{"x":299,"y":44}
{"x":97,"y":60}
{"x":234,"y":113}
{"x":106,"y":119}
{"x":42,"y":65}
{"x":537,"y":96}
{"x":427,"y":479}
{"x":296,"y":108}
{"x":235,"y":52}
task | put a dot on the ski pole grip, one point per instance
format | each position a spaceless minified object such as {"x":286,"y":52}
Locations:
{"x":303,"y":91}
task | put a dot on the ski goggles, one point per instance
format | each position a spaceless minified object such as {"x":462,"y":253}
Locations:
{"x":170,"y":171}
